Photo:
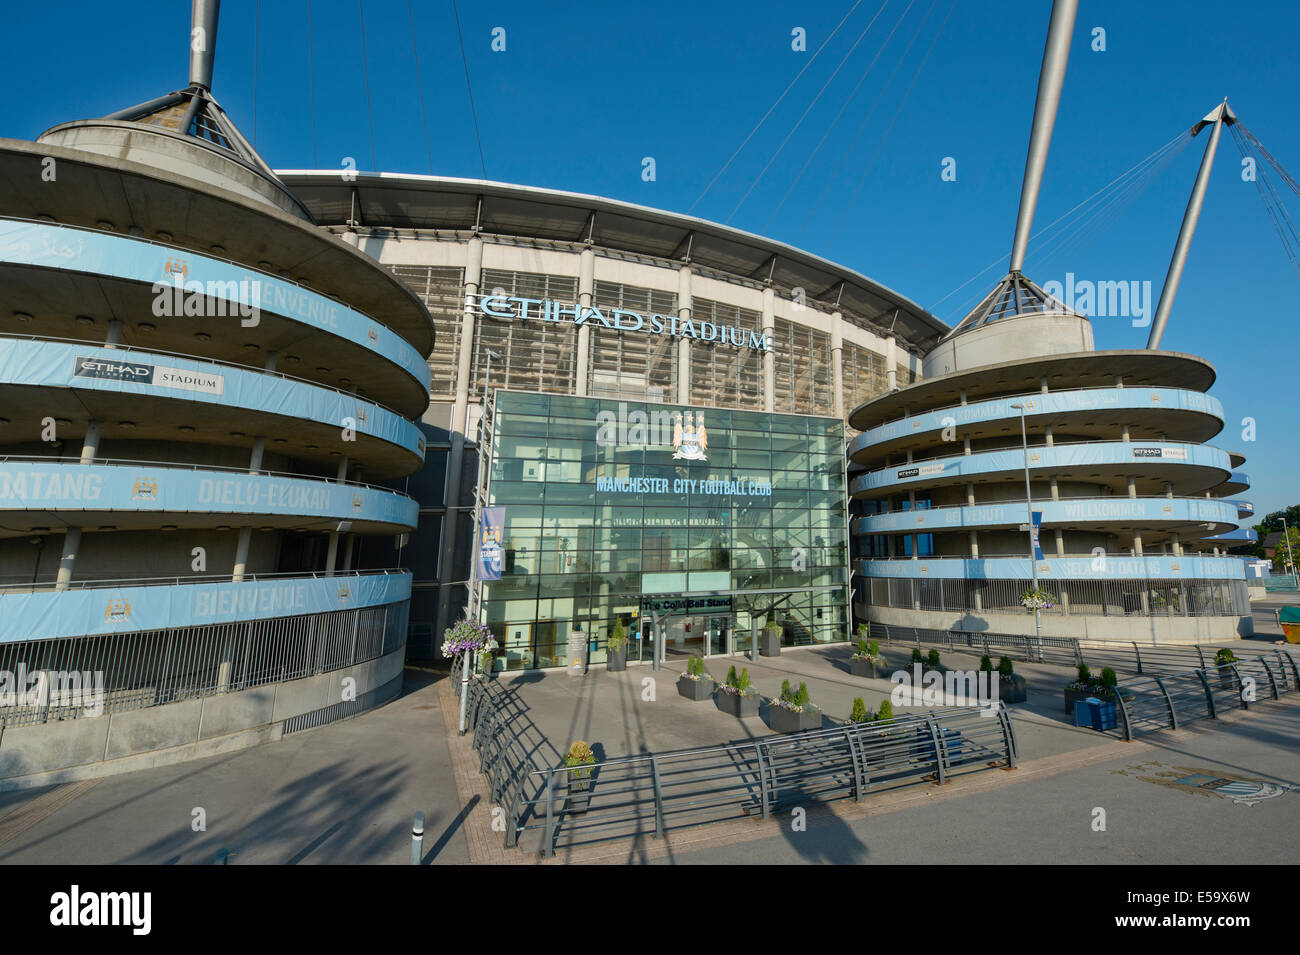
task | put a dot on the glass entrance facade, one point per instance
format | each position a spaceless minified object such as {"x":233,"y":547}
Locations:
{"x":708,"y":521}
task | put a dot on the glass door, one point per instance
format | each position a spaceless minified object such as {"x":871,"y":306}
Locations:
{"x":719,"y":635}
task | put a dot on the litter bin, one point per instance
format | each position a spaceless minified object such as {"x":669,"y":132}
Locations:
{"x":1098,"y":714}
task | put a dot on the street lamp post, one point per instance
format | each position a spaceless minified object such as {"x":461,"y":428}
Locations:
{"x":1286,"y":536}
{"x":1029,"y":514}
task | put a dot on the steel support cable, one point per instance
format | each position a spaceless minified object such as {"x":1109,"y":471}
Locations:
{"x":473,"y":111}
{"x":419,"y":85}
{"x":808,"y":109}
{"x":1268,"y":156}
{"x":821,"y":142}
{"x":773,"y":107}
{"x":365,"y":72}
{"x":1064,"y":215}
{"x":890,"y":128}
{"x":1273,"y":213}
{"x":1262,"y":176}
{"x":1104,"y":216}
{"x":863,"y":125}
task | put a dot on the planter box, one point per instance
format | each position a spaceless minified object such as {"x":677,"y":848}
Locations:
{"x":579,"y":794}
{"x":616,"y":660}
{"x":769,"y":643}
{"x":695,"y":689}
{"x":1014,"y":690}
{"x":863,"y":668}
{"x":735,"y":704}
{"x":782,"y":720}
{"x":1074,"y":696}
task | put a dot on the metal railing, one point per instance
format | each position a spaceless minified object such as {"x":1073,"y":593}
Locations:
{"x":1129,"y":656}
{"x":38,"y":586}
{"x":1153,"y":703}
{"x":77,"y":677}
{"x":653,"y":794}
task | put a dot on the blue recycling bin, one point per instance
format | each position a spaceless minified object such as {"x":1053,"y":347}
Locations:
{"x":1098,"y":714}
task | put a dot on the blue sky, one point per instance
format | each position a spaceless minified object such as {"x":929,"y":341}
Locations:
{"x":584,"y":91}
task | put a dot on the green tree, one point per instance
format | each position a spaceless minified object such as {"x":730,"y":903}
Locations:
{"x":1281,"y":555}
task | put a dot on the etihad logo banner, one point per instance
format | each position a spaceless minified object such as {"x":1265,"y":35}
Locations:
{"x":161,"y":376}
{"x":619,"y":319}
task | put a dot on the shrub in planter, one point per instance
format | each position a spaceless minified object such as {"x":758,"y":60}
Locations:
{"x":579,"y":759}
{"x":917,"y":656}
{"x":616,"y":648}
{"x":886,"y":711}
{"x":860,"y":712}
{"x":736,"y":695}
{"x":986,"y":665}
{"x":1224,"y":657}
{"x":770,"y":642}
{"x":695,"y":684}
{"x":1086,"y":685}
{"x":932,"y":660}
{"x":793,"y":711}
{"x":1012,"y":688}
{"x":867,"y":660}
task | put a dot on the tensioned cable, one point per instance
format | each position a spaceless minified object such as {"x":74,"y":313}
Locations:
{"x":835,"y":121}
{"x":1276,"y":213}
{"x":311,"y":83}
{"x":890,"y":128}
{"x":795,"y":128}
{"x":771,"y":108}
{"x":1286,"y":176}
{"x":1118,"y":197}
{"x":365,"y":70}
{"x":1125,"y":174}
{"x":419,"y":85}
{"x":472,"y":110}
{"x":861,"y":128}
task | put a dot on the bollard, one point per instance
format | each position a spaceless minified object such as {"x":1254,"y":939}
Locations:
{"x":417,"y":839}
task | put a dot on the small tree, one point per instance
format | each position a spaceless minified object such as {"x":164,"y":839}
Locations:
{"x":742,"y":683}
{"x":1084,"y":674}
{"x":886,"y":711}
{"x":1224,"y":657}
{"x":874,"y":649}
{"x":932,"y":660}
{"x":916,"y":655}
{"x":618,"y":638}
{"x":731,"y":675}
{"x":986,"y":665}
{"x":1005,"y":668}
{"x":1108,"y":678}
{"x":860,"y":713}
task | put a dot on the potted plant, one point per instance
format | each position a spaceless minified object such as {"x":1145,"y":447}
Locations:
{"x":793,"y":712}
{"x":867,"y":661}
{"x":1227,"y":677}
{"x":1086,"y":685}
{"x":1012,"y":687}
{"x":1037,"y":599}
{"x":770,"y":642}
{"x":466,"y":636}
{"x":579,"y":759}
{"x":695,"y":684}
{"x":616,"y":648}
{"x":736,"y":696}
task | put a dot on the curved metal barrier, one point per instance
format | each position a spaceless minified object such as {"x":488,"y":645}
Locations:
{"x":651,"y":794}
{"x":1153,"y":703}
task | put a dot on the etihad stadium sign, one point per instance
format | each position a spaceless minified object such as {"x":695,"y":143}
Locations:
{"x":519,"y":308}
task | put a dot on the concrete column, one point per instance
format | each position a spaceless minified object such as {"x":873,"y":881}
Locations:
{"x":255,"y":457}
{"x":1132,"y":487}
{"x":963,"y":396}
{"x":348,"y":548}
{"x":586,"y":288}
{"x":1169,"y":489}
{"x":965,"y":445}
{"x":684,"y":306}
{"x":891,"y":368}
{"x":1123,"y":434}
{"x":459,"y":414}
{"x":241,"y":554}
{"x":331,"y":558}
{"x":1050,"y":440}
{"x":837,"y":363}
{"x":970,"y":493}
{"x":974,"y":544}
{"x":72,"y":536}
{"x":1056,"y":493}
{"x":114,"y":336}
{"x":1043,"y":384}
{"x":1173,"y":541}
{"x":272,"y":358}
{"x":1060,"y":543}
{"x":769,"y":359}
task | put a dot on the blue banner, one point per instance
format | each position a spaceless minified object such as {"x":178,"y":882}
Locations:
{"x":1034,"y":530}
{"x":492,"y":522}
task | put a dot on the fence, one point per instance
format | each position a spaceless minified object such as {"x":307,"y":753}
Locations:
{"x":1153,"y":703}
{"x":1105,"y":598}
{"x":656,"y":793}
{"x":60,"y":679}
{"x":1130,"y":657}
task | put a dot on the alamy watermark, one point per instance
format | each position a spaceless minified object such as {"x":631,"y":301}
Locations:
{"x":61,"y":689}
{"x":928,"y":687}
{"x":1129,"y":299}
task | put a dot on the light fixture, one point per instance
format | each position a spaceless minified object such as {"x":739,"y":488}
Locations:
{"x":236,"y":434}
{"x":147,"y":327}
{"x":169,"y":527}
{"x":22,"y":317}
{"x":85,"y":320}
{"x":126,"y":425}
{"x":203,"y":336}
{"x":187,"y":428}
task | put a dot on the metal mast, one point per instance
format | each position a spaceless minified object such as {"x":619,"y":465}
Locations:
{"x":1217,"y":118}
{"x":1050,"y":80}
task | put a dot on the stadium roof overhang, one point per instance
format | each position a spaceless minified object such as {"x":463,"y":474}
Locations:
{"x":394,"y":201}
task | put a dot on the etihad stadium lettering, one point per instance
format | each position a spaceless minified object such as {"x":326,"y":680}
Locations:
{"x":621,"y":319}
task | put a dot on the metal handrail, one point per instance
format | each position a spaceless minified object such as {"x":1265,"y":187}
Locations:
{"x":183,"y":466}
{"x":197,"y":579}
{"x":1036,"y":394}
{"x":211,"y":361}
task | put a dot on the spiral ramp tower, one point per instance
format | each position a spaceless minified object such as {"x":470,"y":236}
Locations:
{"x":199,"y":391}
{"x":1134,"y":505}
